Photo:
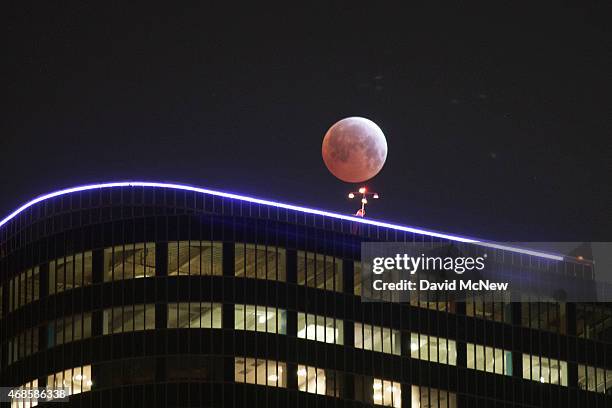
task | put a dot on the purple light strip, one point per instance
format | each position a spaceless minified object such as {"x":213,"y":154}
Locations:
{"x":278,"y":205}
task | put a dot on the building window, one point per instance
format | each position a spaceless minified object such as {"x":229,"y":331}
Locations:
{"x":129,"y":261}
{"x":432,"y":398}
{"x":194,"y":315}
{"x":434,"y":349}
{"x":318,"y":381}
{"x":260,"y":318}
{"x":71,"y":272}
{"x":376,"y":338}
{"x":129,"y":318}
{"x":357,"y":278}
{"x":545,"y":370}
{"x":23,"y":345}
{"x":319,"y":271}
{"x":432,"y":301}
{"x":260,"y":262}
{"x":378,"y":391}
{"x":24,"y":288}
{"x":68,"y":329}
{"x":417,"y":299}
{"x":476,"y":306}
{"x":125,"y":372}
{"x":320,"y":328}
{"x":29,"y":402}
{"x":194,"y":368}
{"x":387,"y":393}
{"x":200,"y":258}
{"x":261,"y":372}
{"x":595,"y":379}
{"x":544,"y":316}
{"x":593,"y":321}
{"x":77,"y":380}
{"x":489,"y":359}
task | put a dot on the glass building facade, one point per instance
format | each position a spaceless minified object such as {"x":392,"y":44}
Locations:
{"x":160,"y":296}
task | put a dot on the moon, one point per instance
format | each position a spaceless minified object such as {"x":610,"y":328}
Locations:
{"x":354,"y":149}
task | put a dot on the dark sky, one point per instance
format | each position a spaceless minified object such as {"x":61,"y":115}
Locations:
{"x":497,"y":114}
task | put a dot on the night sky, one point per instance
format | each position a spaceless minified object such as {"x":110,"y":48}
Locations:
{"x":498,"y":117}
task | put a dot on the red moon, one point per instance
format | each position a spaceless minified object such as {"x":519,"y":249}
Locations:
{"x":354,"y":149}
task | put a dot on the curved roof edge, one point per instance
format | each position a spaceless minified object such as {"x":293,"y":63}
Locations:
{"x":278,"y":205}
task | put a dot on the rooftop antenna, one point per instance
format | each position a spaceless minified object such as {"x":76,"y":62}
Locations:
{"x":363,"y":191}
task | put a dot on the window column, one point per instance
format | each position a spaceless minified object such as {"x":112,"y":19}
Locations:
{"x":292,"y":367}
{"x":460,"y":310}
{"x":571,"y":324}
{"x":227,"y":323}
{"x":517,"y":354}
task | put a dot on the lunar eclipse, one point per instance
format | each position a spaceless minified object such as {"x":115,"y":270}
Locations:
{"x":354,"y":149}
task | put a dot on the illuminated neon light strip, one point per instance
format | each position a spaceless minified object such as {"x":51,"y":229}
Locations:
{"x":274,"y":204}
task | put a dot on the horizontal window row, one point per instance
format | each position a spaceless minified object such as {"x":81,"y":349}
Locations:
{"x":126,"y":372}
{"x":137,"y":260}
{"x":266,"y":372}
{"x":247,"y":370}
{"x":309,"y":326}
{"x":73,"y":381}
{"x":371,"y":390}
{"x":316,"y":270}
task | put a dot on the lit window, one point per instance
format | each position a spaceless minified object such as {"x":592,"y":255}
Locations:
{"x":320,"y":328}
{"x":260,"y":318}
{"x":68,"y":329}
{"x":318,"y":381}
{"x":489,"y":359}
{"x":76,"y":380}
{"x":319,"y":271}
{"x":545,"y":370}
{"x":434,"y":349}
{"x":262,"y":372}
{"x":260,"y":262}
{"x":595,"y":379}
{"x":70,"y":272}
{"x":195,"y":258}
{"x":129,"y":318}
{"x":194,"y":315}
{"x":387,"y":393}
{"x":376,"y":338}
{"x":26,"y":403}
{"x":24,"y":288}
{"x":425,"y":397}
{"x":129,"y":261}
